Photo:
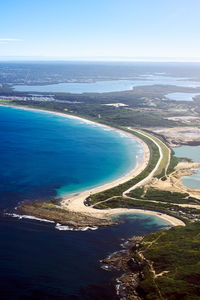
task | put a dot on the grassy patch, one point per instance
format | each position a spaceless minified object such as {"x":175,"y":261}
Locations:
{"x":166,"y":154}
{"x":183,"y":213}
{"x":118,"y":190}
{"x":162,"y":196}
{"x":173,"y":162}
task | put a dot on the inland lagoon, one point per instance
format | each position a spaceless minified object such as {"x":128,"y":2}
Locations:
{"x":192,"y":152}
{"x":108,"y":85}
{"x":182,"y":96}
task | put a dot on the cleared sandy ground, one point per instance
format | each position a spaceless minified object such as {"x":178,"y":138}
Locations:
{"x":177,"y":136}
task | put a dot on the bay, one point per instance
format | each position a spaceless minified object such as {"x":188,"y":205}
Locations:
{"x":44,"y":155}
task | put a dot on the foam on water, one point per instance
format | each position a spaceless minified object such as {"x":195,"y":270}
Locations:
{"x":27,"y":217}
{"x":69,"y":228}
{"x":43,"y":248}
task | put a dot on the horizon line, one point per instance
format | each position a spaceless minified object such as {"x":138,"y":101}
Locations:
{"x":97,"y":59}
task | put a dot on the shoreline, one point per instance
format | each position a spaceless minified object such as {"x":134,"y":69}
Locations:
{"x":123,"y":178}
{"x":172,"y":220}
{"x":75,"y":202}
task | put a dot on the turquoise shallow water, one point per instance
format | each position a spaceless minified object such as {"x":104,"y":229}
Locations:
{"x":45,"y":155}
{"x":192,"y":152}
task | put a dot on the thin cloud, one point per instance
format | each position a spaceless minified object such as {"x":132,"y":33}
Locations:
{"x":10,"y":40}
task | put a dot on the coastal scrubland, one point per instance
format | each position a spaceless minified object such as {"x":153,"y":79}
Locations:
{"x":118,"y":190}
{"x":170,"y":262}
{"x":162,"y":196}
{"x":161,"y":265}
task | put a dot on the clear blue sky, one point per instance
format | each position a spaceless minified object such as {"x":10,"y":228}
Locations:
{"x":100,"y":28}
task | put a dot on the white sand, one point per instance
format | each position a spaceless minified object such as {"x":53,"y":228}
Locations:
{"x":75,"y":202}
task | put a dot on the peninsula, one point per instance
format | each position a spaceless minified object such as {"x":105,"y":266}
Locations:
{"x":154,"y":187}
{"x":100,"y":150}
{"x":129,"y":193}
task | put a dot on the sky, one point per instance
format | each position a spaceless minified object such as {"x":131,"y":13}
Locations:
{"x":100,"y":29}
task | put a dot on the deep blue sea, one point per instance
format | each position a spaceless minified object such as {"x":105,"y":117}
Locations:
{"x":42,"y":156}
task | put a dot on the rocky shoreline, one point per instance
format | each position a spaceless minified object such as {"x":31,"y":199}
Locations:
{"x":160,"y":265}
{"x":126,"y":261}
{"x":52,"y":212}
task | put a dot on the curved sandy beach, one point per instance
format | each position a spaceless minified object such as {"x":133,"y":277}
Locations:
{"x":75,"y":202}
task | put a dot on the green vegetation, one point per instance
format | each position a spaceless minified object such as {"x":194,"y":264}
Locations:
{"x":162,"y":196}
{"x":137,"y":193}
{"x":183,"y":213}
{"x":166,"y":156}
{"x":91,"y":107}
{"x":161,"y":174}
{"x":173,"y":162}
{"x":118,"y":190}
{"x":154,"y":152}
{"x":176,"y":252}
{"x":3,"y":101}
{"x":167,"y":196}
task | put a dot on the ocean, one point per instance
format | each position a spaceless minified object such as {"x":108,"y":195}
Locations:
{"x":43,"y":156}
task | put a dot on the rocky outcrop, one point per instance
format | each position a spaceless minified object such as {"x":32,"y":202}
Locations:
{"x":52,"y":212}
{"x":126,"y":261}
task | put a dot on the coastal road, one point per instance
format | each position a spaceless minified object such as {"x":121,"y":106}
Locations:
{"x":76,"y":202}
{"x":143,"y":181}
